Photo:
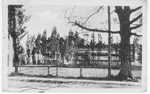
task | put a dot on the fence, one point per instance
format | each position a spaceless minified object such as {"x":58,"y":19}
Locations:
{"x":77,"y":71}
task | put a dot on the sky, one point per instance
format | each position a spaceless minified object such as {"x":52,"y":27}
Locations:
{"x":45,"y":17}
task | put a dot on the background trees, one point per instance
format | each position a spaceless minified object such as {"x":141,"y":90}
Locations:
{"x":140,"y":53}
{"x":137,"y":48}
{"x":62,"y":47}
{"x":52,"y":45}
{"x":38,"y":43}
{"x":44,"y":41}
{"x":48,"y":46}
{"x":30,"y":41}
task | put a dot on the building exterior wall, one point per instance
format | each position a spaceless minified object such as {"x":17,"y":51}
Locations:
{"x":101,"y":57}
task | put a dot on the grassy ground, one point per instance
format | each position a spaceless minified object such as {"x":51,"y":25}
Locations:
{"x":72,"y":72}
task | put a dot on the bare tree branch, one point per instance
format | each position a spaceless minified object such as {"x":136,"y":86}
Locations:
{"x":23,"y":35}
{"x":26,"y":19}
{"x":73,"y":10}
{"x":65,"y":15}
{"x":133,"y":10}
{"x":135,"y":34}
{"x":135,"y":19}
{"x":69,"y":17}
{"x":112,"y":11}
{"x":137,"y":26}
{"x":93,"y":14}
{"x":95,"y":30}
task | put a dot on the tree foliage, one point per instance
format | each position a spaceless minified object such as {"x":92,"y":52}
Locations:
{"x":38,"y":43}
{"x":62,"y":47}
{"x":52,"y":41}
{"x":137,"y":49}
{"x":16,"y":28}
{"x":44,"y":41}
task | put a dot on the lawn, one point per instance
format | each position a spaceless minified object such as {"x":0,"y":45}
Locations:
{"x":73,"y":72}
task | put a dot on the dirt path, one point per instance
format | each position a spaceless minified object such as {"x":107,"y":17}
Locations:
{"x":29,"y":84}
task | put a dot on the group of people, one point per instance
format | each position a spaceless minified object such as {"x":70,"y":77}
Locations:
{"x":31,"y":57}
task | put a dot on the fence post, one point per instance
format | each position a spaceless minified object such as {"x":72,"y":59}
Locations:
{"x":109,"y":44}
{"x":48,"y":71}
{"x":16,"y":69}
{"x":57,"y":69}
{"x":81,"y":72}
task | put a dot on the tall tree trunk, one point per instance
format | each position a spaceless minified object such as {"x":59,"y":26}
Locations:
{"x":124,"y":18}
{"x":15,"y":52}
{"x":15,"y":59}
{"x":125,"y":70}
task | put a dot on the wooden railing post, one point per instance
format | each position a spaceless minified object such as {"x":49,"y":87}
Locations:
{"x":47,"y":71}
{"x":57,"y":70}
{"x":81,"y":72}
{"x":16,"y":69}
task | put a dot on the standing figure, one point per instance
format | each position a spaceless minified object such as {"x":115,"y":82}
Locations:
{"x":28,"y":55}
{"x":22,"y":59}
{"x":41,"y":57}
{"x":31,"y":59}
{"x":33,"y":56}
{"x":36,"y":58}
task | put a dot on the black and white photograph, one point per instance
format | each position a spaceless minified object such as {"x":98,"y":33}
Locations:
{"x":74,"y":46}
